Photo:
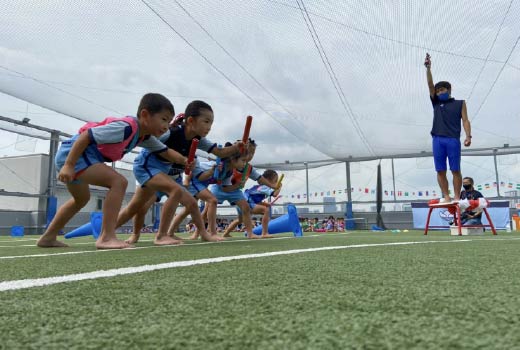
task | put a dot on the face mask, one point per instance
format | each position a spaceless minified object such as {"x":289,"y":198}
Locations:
{"x":467,"y":187}
{"x":445,"y":96}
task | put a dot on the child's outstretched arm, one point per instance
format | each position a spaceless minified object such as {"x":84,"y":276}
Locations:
{"x":231,"y":188}
{"x":227,"y":151}
{"x":67,"y":173}
{"x":429,"y":78}
{"x":263,"y":181}
{"x":206,"y":175}
{"x":175,"y":157}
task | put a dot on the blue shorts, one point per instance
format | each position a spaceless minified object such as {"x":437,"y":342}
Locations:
{"x":231,"y":197}
{"x":147,"y":166}
{"x":196,"y":186}
{"x":89,"y":157}
{"x":446,"y":147}
{"x":177,"y":179}
{"x":251,"y":206}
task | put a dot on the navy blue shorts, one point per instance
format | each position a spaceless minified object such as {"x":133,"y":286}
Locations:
{"x":446,"y":147}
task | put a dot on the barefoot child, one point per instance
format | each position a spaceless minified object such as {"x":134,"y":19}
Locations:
{"x":198,"y":182}
{"x":151,"y":171}
{"x":80,"y":162}
{"x":255,"y":196}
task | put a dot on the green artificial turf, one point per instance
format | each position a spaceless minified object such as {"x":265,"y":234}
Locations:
{"x":422,"y":296}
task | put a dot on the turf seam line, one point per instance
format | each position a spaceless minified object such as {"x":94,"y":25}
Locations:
{"x":40,"y":282}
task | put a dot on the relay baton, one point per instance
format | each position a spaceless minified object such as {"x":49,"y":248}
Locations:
{"x":247,"y":128}
{"x":191,"y":155}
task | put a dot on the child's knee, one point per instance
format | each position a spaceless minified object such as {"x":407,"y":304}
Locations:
{"x":174,"y":194}
{"x":119,"y":182}
{"x":211,"y":202}
{"x":82,"y":201}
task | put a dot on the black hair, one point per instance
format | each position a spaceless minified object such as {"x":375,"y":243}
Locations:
{"x":470,"y":179}
{"x":155,"y":103}
{"x":194,"y":107}
{"x":269,"y":174}
{"x":252,"y":142}
{"x":443,"y":84}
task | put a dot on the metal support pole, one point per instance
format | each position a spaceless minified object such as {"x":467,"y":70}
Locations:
{"x":496,"y":172}
{"x":307,"y":180}
{"x":393,"y":179}
{"x":349,"y":185}
{"x":53,"y":149}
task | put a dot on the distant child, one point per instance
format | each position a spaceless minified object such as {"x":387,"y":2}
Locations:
{"x":80,"y":162}
{"x":330,"y":224}
{"x":340,"y":225}
{"x":151,"y":171}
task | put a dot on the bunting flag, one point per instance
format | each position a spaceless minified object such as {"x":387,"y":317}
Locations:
{"x":366,"y":191}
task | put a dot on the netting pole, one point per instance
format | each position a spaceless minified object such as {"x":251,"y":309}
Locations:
{"x":393,"y":179}
{"x":349,"y":224}
{"x":307,"y":180}
{"x":52,"y":201}
{"x":496,"y":172}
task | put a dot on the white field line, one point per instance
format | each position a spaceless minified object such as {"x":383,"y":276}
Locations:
{"x":40,"y":282}
{"x":75,"y":244}
{"x":149,"y":247}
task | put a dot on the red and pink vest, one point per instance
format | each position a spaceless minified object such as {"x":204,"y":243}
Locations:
{"x":114,"y":151}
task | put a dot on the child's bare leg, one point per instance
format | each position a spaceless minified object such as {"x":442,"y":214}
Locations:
{"x":176,"y":223}
{"x":191,"y":205}
{"x":136,"y":210}
{"x":264,"y":211}
{"x":246,"y":218}
{"x":164,"y":183}
{"x":232,"y":225}
{"x":211,"y":209}
{"x":102,"y":175}
{"x":80,"y":197}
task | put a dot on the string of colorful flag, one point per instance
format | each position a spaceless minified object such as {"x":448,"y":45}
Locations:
{"x":400,"y":193}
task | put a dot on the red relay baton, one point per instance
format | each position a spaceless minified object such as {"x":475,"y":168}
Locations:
{"x":247,"y":128}
{"x":191,"y":155}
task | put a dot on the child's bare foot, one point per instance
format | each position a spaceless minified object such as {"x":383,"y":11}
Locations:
{"x":266,"y":235}
{"x":211,"y":238}
{"x":113,"y":243}
{"x":177,"y":237}
{"x":252,"y":236}
{"x":133,"y":239}
{"x":166,"y":240}
{"x":45,"y":242}
{"x":194,"y":236}
{"x":226,"y":235}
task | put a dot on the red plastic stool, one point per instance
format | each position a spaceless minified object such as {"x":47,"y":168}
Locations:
{"x":455,"y":209}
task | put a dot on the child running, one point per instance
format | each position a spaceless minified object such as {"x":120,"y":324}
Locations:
{"x":151,"y":171}
{"x":80,"y":163}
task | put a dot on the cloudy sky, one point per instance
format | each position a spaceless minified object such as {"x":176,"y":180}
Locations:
{"x":323,"y":79}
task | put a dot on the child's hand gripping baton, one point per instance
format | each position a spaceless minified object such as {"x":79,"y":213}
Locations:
{"x":191,"y":155}
{"x":245,"y":136}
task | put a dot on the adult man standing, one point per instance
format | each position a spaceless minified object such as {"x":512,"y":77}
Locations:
{"x":447,"y":115}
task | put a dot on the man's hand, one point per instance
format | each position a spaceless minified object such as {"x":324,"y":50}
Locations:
{"x":427,"y":61}
{"x":467,"y":141}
